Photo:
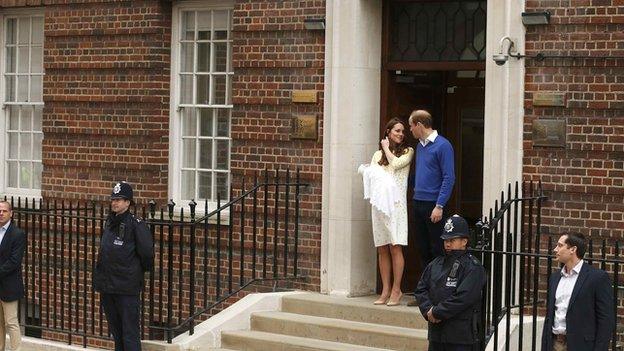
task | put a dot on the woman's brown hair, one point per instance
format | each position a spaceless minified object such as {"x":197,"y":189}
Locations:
{"x":397,"y":150}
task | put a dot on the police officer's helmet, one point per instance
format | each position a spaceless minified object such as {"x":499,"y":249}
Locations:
{"x":122,"y":190}
{"x":455,"y":227}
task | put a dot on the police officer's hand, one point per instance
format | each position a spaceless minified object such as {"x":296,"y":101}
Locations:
{"x":436,"y":215}
{"x":430,"y":316}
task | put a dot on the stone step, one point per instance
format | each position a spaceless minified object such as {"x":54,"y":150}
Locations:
{"x":340,"y":330}
{"x":262,"y":341}
{"x":357,"y":309}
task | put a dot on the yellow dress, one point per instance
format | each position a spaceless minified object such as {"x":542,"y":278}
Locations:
{"x":393,"y":229}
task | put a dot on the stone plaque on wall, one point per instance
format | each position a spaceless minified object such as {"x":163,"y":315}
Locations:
{"x":309,"y":96}
{"x":549,"y":132}
{"x":548,"y":99}
{"x":304,"y":127}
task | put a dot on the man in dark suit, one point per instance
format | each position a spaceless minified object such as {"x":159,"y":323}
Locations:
{"x":12,"y":246}
{"x":580,"y":313}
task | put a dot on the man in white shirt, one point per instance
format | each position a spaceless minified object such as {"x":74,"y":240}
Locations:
{"x":580,"y":302}
{"x":12,"y":247}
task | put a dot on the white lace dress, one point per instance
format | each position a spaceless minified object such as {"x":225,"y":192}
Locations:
{"x":393,"y":229}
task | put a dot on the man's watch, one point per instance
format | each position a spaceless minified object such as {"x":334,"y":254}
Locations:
{"x":439,"y":206}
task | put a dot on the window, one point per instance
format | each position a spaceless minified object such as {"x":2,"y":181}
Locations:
{"x":202,"y":107}
{"x":22,"y":86}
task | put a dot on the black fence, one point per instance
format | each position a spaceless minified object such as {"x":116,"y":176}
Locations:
{"x":201,"y":260}
{"x":518,"y":259}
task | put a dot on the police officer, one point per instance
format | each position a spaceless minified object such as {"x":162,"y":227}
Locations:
{"x":449,"y":292}
{"x":126,"y":253}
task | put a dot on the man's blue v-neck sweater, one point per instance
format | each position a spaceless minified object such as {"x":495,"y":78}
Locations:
{"x":435,"y":171}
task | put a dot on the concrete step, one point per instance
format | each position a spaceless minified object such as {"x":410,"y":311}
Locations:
{"x":262,"y":341}
{"x":340,"y":330}
{"x":357,"y":309}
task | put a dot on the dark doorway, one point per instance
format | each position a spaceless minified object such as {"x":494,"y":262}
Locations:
{"x":433,"y":58}
{"x":456,"y":102}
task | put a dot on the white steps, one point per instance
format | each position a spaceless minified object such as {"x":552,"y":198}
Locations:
{"x":325,"y":323}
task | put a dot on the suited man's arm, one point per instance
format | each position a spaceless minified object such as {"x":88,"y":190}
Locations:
{"x":14,"y":262}
{"x":605,"y":318}
{"x":547,"y":329}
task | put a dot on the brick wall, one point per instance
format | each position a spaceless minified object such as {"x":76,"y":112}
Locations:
{"x":584,"y":180}
{"x":273,"y":54}
{"x":106,"y":93}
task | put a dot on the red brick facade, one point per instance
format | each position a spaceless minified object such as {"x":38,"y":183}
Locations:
{"x":585,"y":180}
{"x":274,"y":55}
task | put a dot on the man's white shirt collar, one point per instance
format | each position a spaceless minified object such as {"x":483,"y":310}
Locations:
{"x":431,"y":138}
{"x":576,"y":269}
{"x":6,"y":226}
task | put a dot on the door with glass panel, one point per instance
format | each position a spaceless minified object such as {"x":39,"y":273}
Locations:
{"x":23,"y":104}
{"x":204,"y":104}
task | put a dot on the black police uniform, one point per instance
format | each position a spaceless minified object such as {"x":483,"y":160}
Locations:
{"x":126,"y":252}
{"x":452,"y":285}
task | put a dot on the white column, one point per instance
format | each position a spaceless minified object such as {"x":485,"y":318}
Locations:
{"x":350,"y":136}
{"x":504,"y":102}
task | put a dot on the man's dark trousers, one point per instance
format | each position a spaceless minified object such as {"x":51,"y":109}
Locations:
{"x":123,"y":313}
{"x":427,"y":232}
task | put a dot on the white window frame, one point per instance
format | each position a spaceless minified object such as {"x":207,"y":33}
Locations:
{"x":175,"y":132}
{"x":4,"y":189}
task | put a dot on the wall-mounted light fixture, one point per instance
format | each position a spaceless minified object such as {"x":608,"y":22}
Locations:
{"x":314,"y":23}
{"x":533,"y":18}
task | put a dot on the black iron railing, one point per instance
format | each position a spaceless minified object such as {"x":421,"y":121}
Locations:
{"x":518,"y":259}
{"x":249,"y":242}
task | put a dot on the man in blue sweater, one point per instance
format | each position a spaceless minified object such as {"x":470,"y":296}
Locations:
{"x":434,"y":180}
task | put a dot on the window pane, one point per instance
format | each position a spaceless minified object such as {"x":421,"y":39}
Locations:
{"x":25,"y":148}
{"x":10,"y":59}
{"x":203,"y":57}
{"x":205,"y":185}
{"x":203,"y":25}
{"x":203,"y":88}
{"x":223,"y":185}
{"x":24,"y":30}
{"x":188,"y":185}
{"x":36,"y":59}
{"x":188,"y":153}
{"x":25,"y":174}
{"x":186,"y":57}
{"x":221,"y":19}
{"x":220,"y":57}
{"x":189,"y":122}
{"x":186,"y":89}
{"x":223,"y":122}
{"x":14,"y":118}
{"x":13,"y":146}
{"x":10,"y":88}
{"x":37,"y":30}
{"x":12,"y":170}
{"x":219,"y":86}
{"x":36,"y":89}
{"x":26,"y":119}
{"x":11,"y":33}
{"x":38,"y":170}
{"x":223,"y":154}
{"x":22,"y":88}
{"x":37,"y":146}
{"x":22,"y":59}
{"x":205,"y":122}
{"x":205,"y":153}
{"x":37,"y":118}
{"x":188,"y":25}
